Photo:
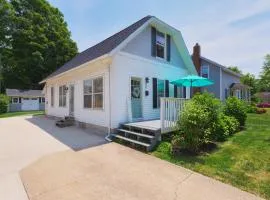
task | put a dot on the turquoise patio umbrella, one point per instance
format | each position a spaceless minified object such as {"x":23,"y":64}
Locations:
{"x":193,"y":81}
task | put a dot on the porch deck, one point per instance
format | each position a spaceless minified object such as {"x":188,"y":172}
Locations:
{"x":153,"y":125}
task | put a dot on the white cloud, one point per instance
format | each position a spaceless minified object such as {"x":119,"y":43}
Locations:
{"x":231,"y":45}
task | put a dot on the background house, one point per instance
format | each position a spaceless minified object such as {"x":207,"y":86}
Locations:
{"x":24,"y":100}
{"x":226,"y":82}
{"x":264,"y":96}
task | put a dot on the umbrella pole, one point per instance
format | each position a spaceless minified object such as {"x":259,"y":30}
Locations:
{"x":191,"y":91}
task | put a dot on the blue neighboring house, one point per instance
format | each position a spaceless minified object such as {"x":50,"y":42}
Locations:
{"x":226,"y":82}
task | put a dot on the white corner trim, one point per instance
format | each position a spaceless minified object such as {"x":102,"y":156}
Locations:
{"x":220,"y":84}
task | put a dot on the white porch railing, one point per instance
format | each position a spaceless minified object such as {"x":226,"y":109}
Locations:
{"x":169,"y":113}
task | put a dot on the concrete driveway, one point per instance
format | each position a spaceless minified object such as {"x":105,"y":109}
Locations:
{"x":113,"y":172}
{"x":26,"y":139}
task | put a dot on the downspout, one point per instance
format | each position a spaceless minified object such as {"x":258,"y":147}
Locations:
{"x":110,"y":124}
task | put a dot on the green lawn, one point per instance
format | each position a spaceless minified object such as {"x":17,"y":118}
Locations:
{"x":14,"y":114}
{"x":242,"y":161}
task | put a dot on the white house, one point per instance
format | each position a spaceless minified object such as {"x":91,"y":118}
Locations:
{"x":122,"y":78}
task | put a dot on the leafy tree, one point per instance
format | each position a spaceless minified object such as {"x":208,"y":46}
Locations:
{"x":235,"y":69}
{"x":5,"y":20}
{"x":40,"y":43}
{"x":264,"y":82}
{"x":250,"y":80}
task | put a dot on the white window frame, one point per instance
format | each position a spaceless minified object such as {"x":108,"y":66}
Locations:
{"x":18,"y":100}
{"x":62,"y":96}
{"x":208,"y":69}
{"x":94,"y":93}
{"x":165,"y":45}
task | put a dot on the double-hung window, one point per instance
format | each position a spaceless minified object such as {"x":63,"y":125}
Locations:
{"x":205,"y":71}
{"x":93,"y":93}
{"x":160,"y":91}
{"x":62,"y":96}
{"x":160,"y":45}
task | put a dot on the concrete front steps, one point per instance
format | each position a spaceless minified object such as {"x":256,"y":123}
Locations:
{"x":67,"y":121}
{"x":138,"y":137}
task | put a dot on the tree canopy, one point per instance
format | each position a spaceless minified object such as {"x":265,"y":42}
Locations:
{"x":235,"y":69}
{"x":34,"y":42}
{"x":264,"y":82}
{"x":250,"y":80}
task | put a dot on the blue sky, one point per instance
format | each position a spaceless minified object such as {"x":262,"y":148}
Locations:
{"x":230,"y":32}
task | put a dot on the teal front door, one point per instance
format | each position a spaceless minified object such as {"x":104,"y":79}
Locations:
{"x":136,"y":98}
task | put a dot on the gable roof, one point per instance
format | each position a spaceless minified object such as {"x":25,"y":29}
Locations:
{"x":221,"y":66}
{"x":101,"y":48}
{"x":24,"y":93}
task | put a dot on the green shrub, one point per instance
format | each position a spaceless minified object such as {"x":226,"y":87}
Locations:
{"x":250,"y":108}
{"x":193,"y":127}
{"x":261,"y":110}
{"x":224,"y":127}
{"x":209,"y":104}
{"x":195,"y":121}
{"x":4,"y":101}
{"x":237,"y":109}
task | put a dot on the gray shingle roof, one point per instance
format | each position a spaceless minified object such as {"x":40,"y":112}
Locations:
{"x":101,"y":48}
{"x":24,"y":93}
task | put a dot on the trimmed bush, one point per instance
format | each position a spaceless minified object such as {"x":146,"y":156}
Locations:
{"x":193,"y":127}
{"x":195,"y":121}
{"x":251,"y":108}
{"x":237,"y":109}
{"x":224,"y":127}
{"x":261,"y":110}
{"x":4,"y":101}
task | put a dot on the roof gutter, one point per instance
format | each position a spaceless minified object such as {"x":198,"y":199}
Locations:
{"x":75,"y":68}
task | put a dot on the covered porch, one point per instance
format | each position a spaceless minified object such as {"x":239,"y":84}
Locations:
{"x":240,"y":91}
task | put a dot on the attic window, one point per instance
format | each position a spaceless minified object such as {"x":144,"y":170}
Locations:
{"x":160,"y":45}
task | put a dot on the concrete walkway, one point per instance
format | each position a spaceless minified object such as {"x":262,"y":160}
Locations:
{"x":113,"y":172}
{"x":25,"y":140}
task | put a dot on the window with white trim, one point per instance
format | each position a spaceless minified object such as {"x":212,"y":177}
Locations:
{"x":52,"y":96}
{"x":15,"y":100}
{"x":93,"y":93}
{"x":205,"y":71}
{"x":62,"y":96}
{"x":160,"y":90}
{"x":160,"y":45}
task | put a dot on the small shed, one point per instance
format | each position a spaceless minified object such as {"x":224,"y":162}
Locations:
{"x":25,"y":100}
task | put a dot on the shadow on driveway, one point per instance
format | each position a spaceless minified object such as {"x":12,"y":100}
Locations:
{"x":74,"y":137}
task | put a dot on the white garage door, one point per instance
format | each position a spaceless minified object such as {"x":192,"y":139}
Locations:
{"x":30,"y":104}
